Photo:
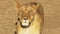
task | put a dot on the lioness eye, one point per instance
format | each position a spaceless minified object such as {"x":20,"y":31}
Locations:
{"x":30,"y":12}
{"x":21,"y":12}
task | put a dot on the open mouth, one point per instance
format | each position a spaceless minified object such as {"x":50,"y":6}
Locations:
{"x":25,"y":24}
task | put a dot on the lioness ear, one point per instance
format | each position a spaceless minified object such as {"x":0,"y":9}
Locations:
{"x":35,"y":5}
{"x":16,"y":4}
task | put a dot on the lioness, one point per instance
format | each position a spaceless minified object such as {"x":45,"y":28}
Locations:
{"x":30,"y":18}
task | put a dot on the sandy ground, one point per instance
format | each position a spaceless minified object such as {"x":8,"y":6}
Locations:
{"x":8,"y":16}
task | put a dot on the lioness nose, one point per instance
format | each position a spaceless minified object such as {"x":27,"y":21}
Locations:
{"x":25,"y":18}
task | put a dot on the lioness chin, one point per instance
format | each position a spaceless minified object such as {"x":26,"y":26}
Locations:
{"x":30,"y":19}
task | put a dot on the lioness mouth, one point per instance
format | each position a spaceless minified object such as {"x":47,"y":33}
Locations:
{"x":25,"y":24}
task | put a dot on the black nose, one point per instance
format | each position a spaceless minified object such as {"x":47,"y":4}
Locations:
{"x":25,"y":18}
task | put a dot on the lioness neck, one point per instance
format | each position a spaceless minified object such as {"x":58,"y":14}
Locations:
{"x":34,"y":28}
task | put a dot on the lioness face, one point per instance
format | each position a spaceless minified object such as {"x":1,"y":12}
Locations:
{"x":26,"y":14}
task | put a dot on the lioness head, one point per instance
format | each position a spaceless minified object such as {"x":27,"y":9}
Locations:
{"x":26,"y":13}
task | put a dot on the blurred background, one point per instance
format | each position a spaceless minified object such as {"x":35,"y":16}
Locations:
{"x":8,"y":16}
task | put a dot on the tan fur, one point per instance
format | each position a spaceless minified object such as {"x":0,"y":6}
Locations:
{"x":33,"y":29}
{"x":35,"y":26}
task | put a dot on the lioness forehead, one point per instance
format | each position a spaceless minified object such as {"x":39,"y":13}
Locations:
{"x":26,"y":8}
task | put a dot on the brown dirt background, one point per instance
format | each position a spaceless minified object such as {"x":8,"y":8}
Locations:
{"x":8,"y":16}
